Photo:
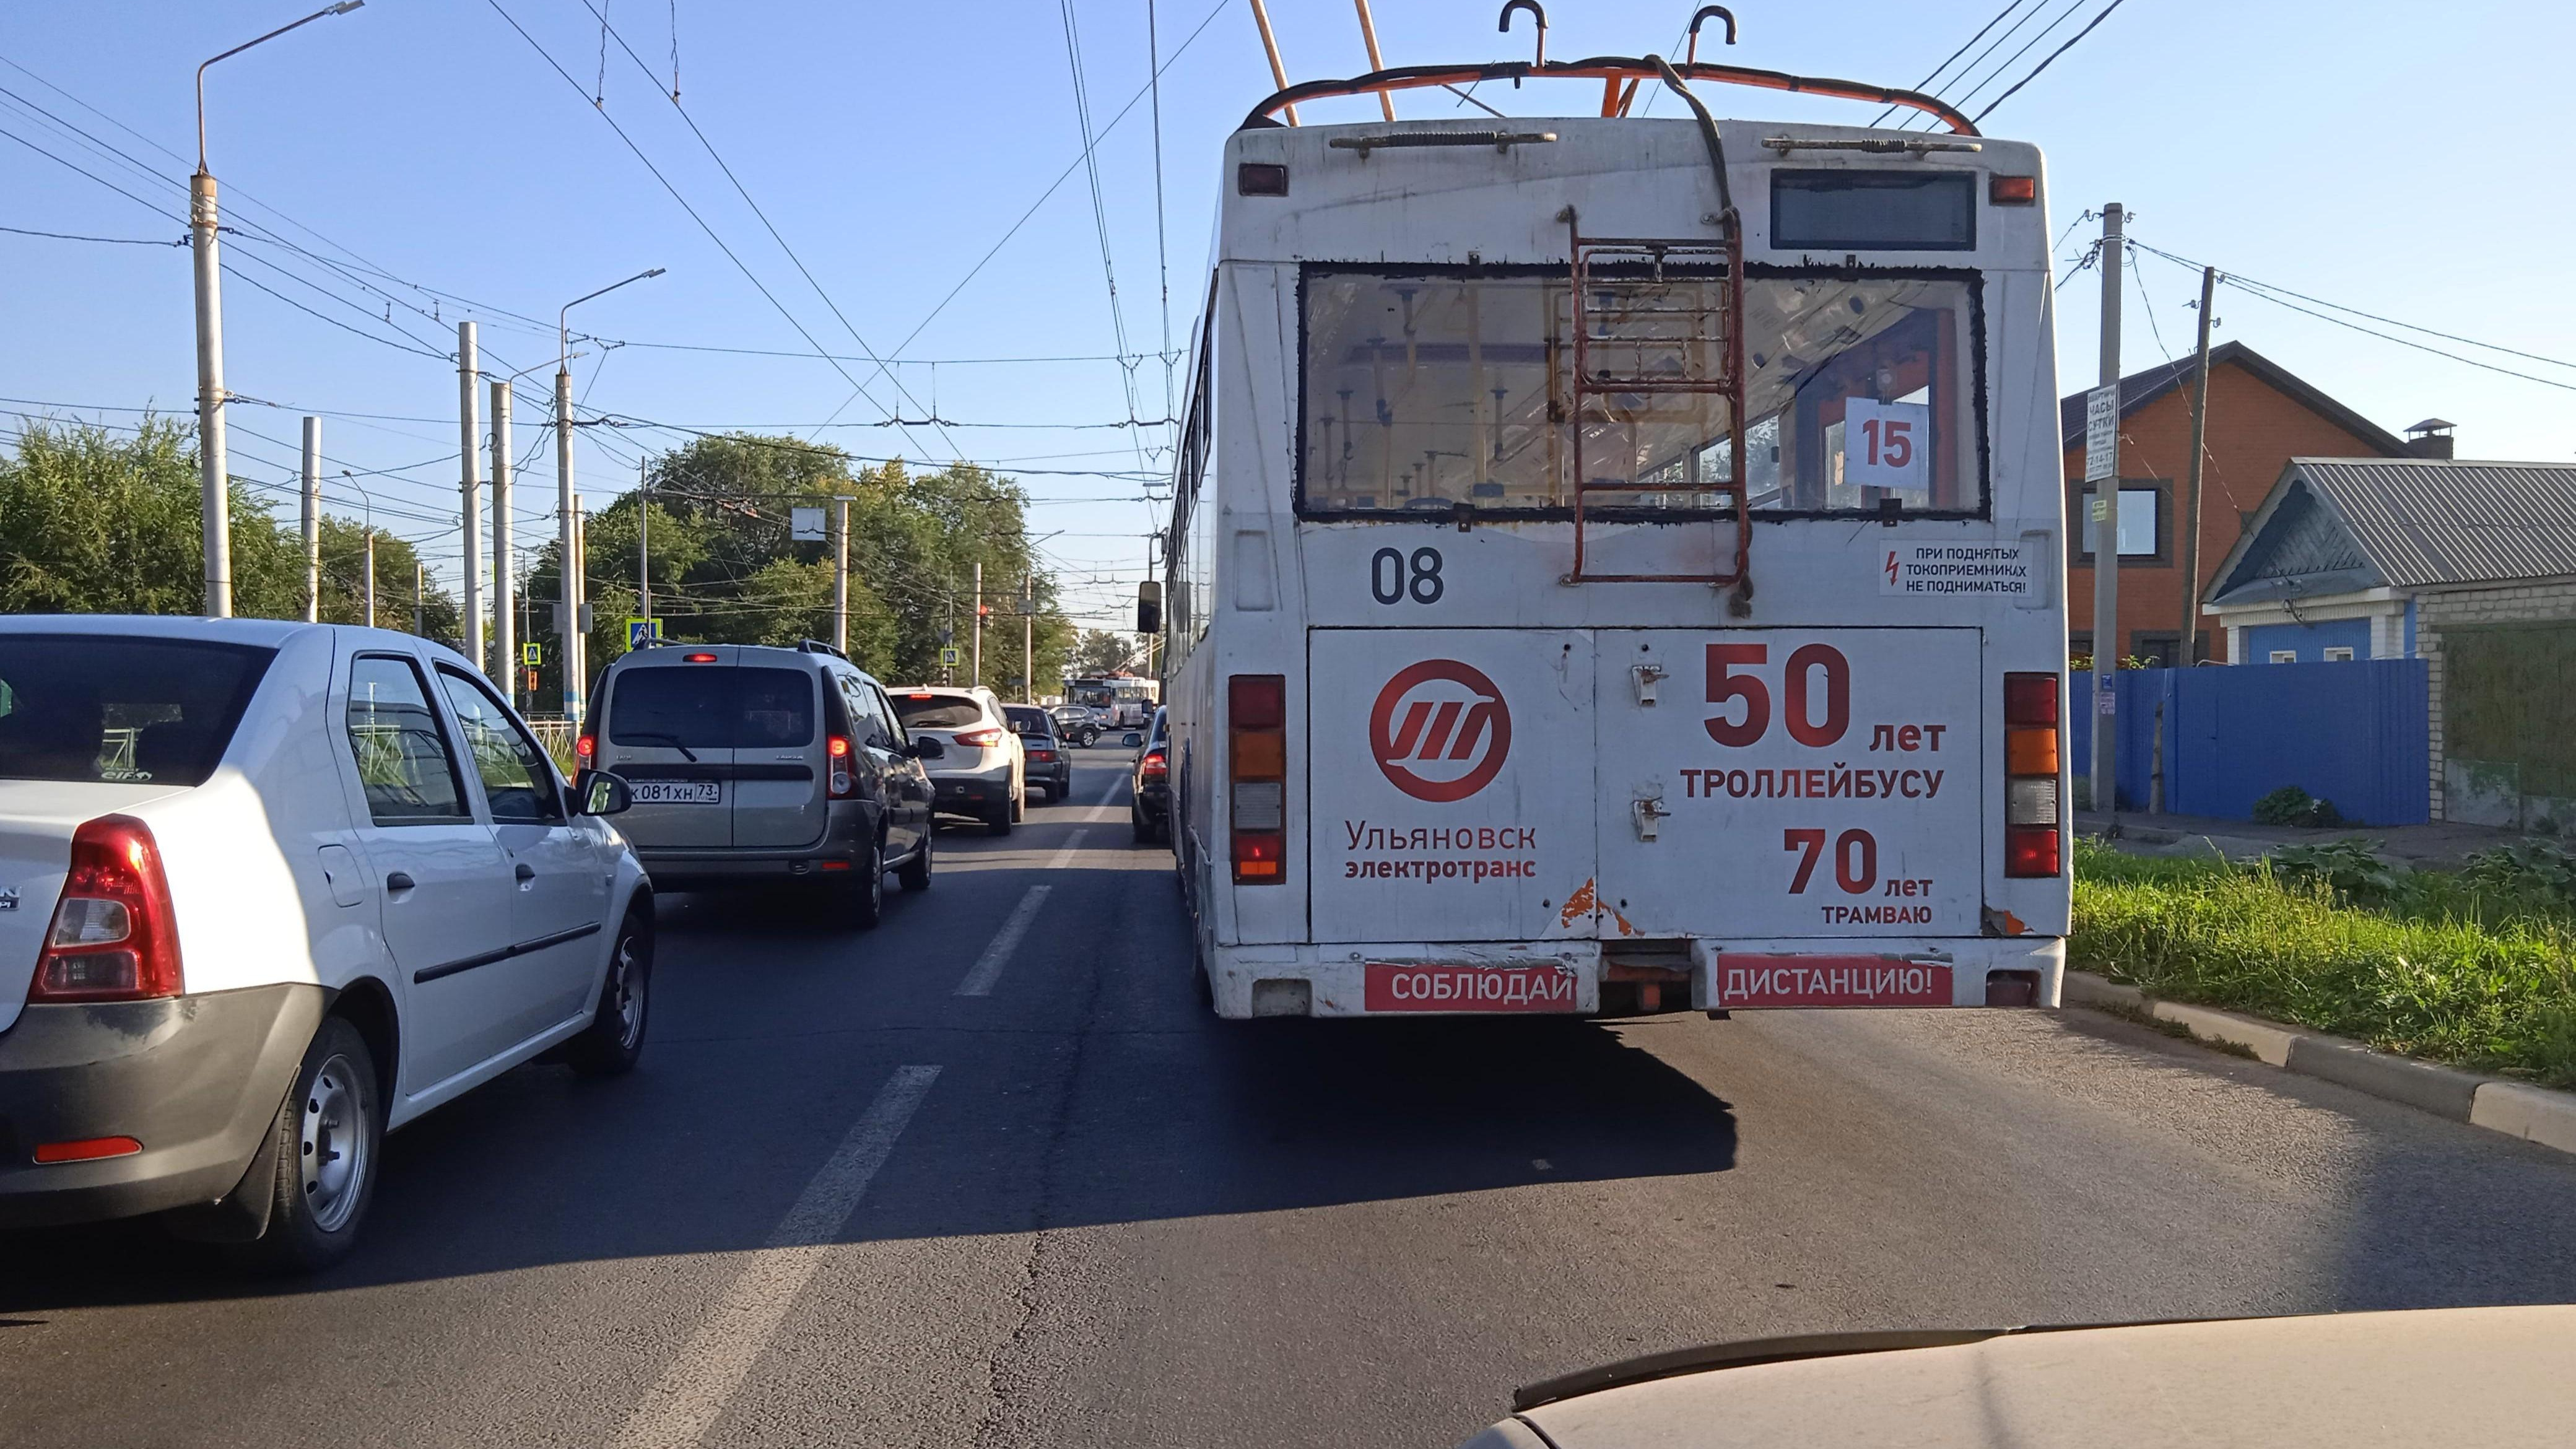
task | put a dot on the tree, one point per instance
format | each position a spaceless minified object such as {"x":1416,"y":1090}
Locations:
{"x":95,"y":523}
{"x":344,"y":584}
{"x":725,"y":568}
{"x":1104,"y":651}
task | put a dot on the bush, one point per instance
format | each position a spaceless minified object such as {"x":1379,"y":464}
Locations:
{"x":2533,"y":867}
{"x":2441,"y":968}
{"x":2351,"y":867}
{"x":2291,"y":805}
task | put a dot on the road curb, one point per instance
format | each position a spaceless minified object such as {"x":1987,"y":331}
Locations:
{"x":2516,"y":1109}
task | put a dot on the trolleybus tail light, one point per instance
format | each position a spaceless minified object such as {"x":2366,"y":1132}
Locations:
{"x":112,"y":937}
{"x":2012,"y":190}
{"x":2033,"y":832}
{"x":1260,"y":178}
{"x":1256,"y":707}
{"x":845,"y":781}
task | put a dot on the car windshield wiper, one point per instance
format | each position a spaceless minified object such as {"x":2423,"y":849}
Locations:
{"x":672,"y":740}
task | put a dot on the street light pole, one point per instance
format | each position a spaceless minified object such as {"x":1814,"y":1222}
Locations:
{"x":214,"y":486}
{"x":568,"y":504}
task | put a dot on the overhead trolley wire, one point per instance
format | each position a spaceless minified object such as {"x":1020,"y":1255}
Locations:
{"x":2051,"y":60}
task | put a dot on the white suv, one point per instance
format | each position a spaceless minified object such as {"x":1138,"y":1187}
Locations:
{"x":267,"y":891}
{"x":982,"y":770}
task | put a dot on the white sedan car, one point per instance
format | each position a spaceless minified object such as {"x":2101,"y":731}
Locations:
{"x":268,"y":891}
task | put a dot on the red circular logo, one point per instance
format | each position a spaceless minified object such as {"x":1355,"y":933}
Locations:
{"x":1440,"y":731}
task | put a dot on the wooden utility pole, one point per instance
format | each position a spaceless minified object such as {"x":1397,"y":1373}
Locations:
{"x":2191,"y":487}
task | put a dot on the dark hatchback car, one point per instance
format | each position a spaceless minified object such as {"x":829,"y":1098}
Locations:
{"x":1050,"y":767}
{"x":1151,"y":812}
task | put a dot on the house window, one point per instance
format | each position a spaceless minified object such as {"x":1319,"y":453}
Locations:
{"x":2285,"y":656}
{"x":2338,"y":654}
{"x":2144,"y":531}
{"x":2160,"y":651}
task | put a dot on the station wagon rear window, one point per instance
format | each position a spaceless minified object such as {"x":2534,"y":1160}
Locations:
{"x":97,"y":707}
{"x":712,"y":707}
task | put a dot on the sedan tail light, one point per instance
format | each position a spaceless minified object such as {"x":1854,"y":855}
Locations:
{"x":113,"y":937}
{"x":2033,"y":843}
{"x":1155,"y":765}
{"x":1257,"y":776}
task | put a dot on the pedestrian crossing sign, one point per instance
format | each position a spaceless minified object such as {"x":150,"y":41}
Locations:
{"x":949,"y":656}
{"x":532,"y":655}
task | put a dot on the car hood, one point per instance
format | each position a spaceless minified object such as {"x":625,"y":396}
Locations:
{"x":2481,"y":1376}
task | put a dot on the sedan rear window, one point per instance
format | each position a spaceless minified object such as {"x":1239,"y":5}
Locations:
{"x":725,"y":707}
{"x":1028,"y":719}
{"x":937,"y":711}
{"x":98,"y":707}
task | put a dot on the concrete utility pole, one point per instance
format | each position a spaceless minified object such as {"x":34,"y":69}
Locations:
{"x":214,"y":487}
{"x":505,"y":645}
{"x":978,"y":676}
{"x":2105,"y":511}
{"x":419,"y":598}
{"x":1028,"y":635}
{"x":2191,"y":485}
{"x":312,"y":520}
{"x":644,"y":543}
{"x":371,"y":576}
{"x":469,"y":443}
{"x":841,"y":575}
{"x":568,"y":549}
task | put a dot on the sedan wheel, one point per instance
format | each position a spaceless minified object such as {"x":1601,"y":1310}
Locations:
{"x":614,"y":1040}
{"x":323,"y":1146}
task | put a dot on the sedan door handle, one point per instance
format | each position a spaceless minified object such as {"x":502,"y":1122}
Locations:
{"x":397,"y":881}
{"x":524,"y":872}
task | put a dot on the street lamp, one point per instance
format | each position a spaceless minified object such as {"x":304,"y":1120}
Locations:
{"x":215,"y":496}
{"x":569,"y":548}
{"x":368,"y":501}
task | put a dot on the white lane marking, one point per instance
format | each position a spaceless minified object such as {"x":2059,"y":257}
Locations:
{"x":988,"y":967}
{"x":1116,"y":783}
{"x":678,"y":1411}
{"x":1064,"y":857}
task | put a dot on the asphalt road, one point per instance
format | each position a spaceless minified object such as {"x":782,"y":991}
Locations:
{"x":843,"y":1203}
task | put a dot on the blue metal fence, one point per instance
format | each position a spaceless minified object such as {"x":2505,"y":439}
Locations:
{"x":2354,"y":733}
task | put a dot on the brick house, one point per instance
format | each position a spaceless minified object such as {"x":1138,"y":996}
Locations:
{"x":2260,"y":417}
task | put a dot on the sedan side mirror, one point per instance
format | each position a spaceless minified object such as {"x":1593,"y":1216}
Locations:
{"x":602,"y":792}
{"x":927,"y":749}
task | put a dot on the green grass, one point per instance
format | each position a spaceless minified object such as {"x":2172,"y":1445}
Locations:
{"x":2432,"y":966}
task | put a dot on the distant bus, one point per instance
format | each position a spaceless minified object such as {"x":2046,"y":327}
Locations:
{"x":1616,"y":564}
{"x":1125,"y":702}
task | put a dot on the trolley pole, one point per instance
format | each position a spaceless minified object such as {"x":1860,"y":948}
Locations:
{"x":312,"y":520}
{"x":841,"y":575}
{"x":2191,"y":485}
{"x":2104,"y":509}
{"x":469,"y":443}
{"x":505,"y":638}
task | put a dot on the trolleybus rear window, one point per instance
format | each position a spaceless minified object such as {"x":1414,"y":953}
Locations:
{"x":1426,"y":390}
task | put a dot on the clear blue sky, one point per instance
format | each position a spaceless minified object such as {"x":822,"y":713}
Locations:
{"x":2396,"y":158}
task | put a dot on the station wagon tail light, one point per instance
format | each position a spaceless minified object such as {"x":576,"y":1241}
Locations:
{"x":113,"y":937}
{"x":2034,"y":839}
{"x":697,"y":659}
{"x":586,"y":748}
{"x":1256,"y":707}
{"x":980,"y":739}
{"x":845,"y":781}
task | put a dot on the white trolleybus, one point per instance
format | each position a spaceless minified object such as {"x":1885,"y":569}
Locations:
{"x":1616,"y":563}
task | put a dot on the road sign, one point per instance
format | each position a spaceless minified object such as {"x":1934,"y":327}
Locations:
{"x":805,"y":525}
{"x":640,"y":630}
{"x":532,"y":655}
{"x":949,"y":656}
{"x":2101,"y":431}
